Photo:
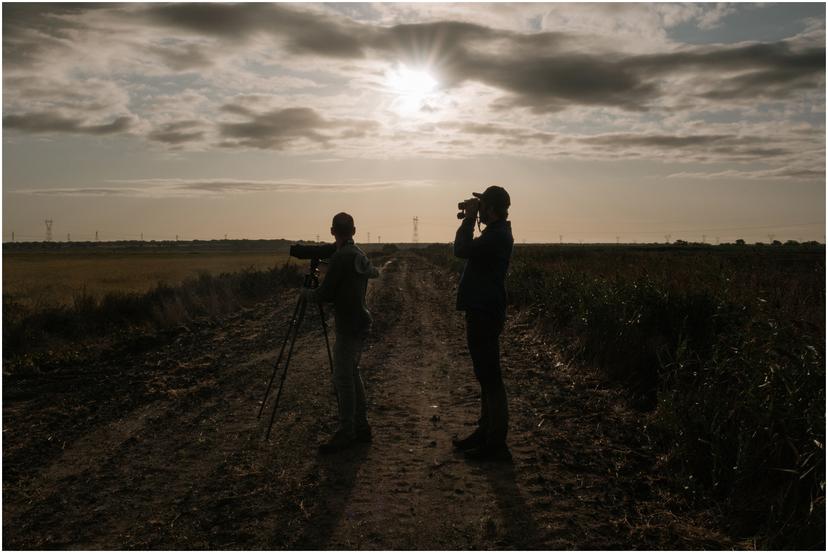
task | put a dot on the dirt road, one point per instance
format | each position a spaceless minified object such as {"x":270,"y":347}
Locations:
{"x":157,"y":446}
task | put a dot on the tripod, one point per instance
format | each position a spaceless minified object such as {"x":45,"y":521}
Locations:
{"x":311,"y":281}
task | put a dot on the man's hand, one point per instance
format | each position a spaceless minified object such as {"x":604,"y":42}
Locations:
{"x":472,"y":206}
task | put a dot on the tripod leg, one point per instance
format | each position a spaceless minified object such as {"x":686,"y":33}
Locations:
{"x":328,"y":347}
{"x":291,"y":326}
{"x":284,"y":372}
{"x":325,"y":332}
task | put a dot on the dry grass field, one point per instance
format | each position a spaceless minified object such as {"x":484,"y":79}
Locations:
{"x":45,"y":279}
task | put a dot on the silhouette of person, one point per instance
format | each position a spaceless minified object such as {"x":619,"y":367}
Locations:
{"x":345,"y":285}
{"x":482,"y":295}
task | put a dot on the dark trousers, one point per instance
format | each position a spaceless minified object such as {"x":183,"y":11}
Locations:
{"x":349,"y":387}
{"x":483,"y":337}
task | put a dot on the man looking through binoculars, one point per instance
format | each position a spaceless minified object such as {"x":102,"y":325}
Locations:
{"x":482,"y":295}
{"x":345,"y":285}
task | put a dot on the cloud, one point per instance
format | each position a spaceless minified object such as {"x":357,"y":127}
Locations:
{"x":544,"y":71}
{"x":215,"y":188}
{"x":781,"y":173}
{"x":280,"y":128}
{"x":186,"y":57}
{"x":179,"y":132}
{"x":302,"y":30}
{"x":50,"y":122}
{"x":593,"y":81}
{"x":746,"y":71}
{"x":698,"y":147}
{"x":712,"y":18}
{"x":506,"y":134}
{"x":726,"y":144}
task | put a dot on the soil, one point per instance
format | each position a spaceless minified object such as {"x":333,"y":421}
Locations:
{"x":158,"y":445}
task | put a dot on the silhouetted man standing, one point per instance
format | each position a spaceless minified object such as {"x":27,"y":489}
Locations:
{"x":345,"y":285}
{"x":482,"y":295}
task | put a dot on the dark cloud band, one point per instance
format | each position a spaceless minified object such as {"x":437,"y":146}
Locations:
{"x":280,"y":128}
{"x":166,"y":188}
{"x":48,"y":122}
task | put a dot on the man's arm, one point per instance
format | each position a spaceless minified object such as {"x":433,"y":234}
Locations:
{"x":467,"y":246}
{"x":364,"y":266}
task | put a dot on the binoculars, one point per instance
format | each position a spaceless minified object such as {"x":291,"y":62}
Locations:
{"x":463,"y":207}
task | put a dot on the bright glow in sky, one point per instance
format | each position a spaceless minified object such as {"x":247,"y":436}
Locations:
{"x":412,"y":88}
{"x":605,"y":122}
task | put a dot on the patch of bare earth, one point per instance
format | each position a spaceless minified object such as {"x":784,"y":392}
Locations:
{"x":162,"y":449}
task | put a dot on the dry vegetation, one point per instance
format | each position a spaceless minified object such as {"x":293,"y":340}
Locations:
{"x":725,"y":346}
{"x":57,"y":302}
{"x":49,"y":279}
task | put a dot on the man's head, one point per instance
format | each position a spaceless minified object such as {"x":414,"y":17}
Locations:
{"x":494,"y":204}
{"x":342,"y":227}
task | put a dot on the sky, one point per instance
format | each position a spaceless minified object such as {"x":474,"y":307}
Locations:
{"x":605,"y":122}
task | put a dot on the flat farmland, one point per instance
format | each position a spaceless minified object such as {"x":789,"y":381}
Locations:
{"x":660,"y":397}
{"x":47,"y":278}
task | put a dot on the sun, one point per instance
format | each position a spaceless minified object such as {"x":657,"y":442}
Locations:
{"x":412,"y":88}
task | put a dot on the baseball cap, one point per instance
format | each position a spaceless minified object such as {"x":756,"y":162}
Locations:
{"x":495,"y":196}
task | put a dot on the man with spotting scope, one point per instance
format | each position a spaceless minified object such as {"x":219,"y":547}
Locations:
{"x":345,"y":285}
{"x":482,"y":295}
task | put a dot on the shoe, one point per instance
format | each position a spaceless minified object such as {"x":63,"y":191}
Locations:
{"x":363,"y":435}
{"x":488,"y":453}
{"x":474,"y":440}
{"x":338,"y":442}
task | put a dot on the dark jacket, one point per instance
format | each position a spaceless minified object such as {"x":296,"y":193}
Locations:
{"x":482,"y":285}
{"x":345,"y":285}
